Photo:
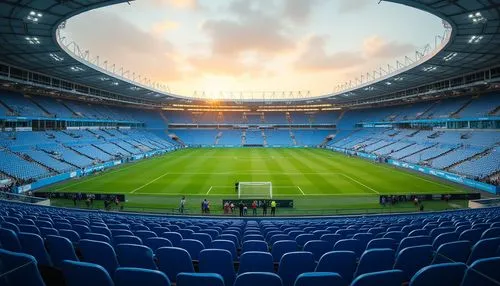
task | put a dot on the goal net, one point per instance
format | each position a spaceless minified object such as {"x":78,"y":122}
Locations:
{"x":255,"y":190}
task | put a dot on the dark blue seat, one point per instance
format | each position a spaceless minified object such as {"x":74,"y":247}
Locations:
{"x":144,"y":234}
{"x":254,"y":245}
{"x":226,"y":245}
{"x":258,"y":278}
{"x":174,"y":237}
{"x":81,"y":229}
{"x":32,"y":244}
{"x":331,"y":238}
{"x":320,"y":279}
{"x":277,"y":237}
{"x":218,"y":261}
{"x":99,"y":252}
{"x":256,"y":261}
{"x":484,"y":272}
{"x":29,"y":228}
{"x":193,"y":247}
{"x":9,"y":240}
{"x":44,"y":231}
{"x":492,"y":232}
{"x":133,"y":255}
{"x":173,"y":260}
{"x":317,"y":248}
{"x":472,"y":235}
{"x":396,"y":235}
{"x":84,"y":274}
{"x":96,"y":236}
{"x":414,"y":241}
{"x":60,"y":249}
{"x":413,"y":258}
{"x":386,"y":278}
{"x":418,"y":232}
{"x":19,"y":269}
{"x":253,"y":237}
{"x":156,"y":242}
{"x":130,"y":239}
{"x":293,"y":264}
{"x":444,"y":238}
{"x":341,"y":262}
{"x":117,"y":232}
{"x":303,"y":238}
{"x":353,"y":245}
{"x":203,"y":238}
{"x":449,"y":274}
{"x":230,"y":237}
{"x":382,"y":243}
{"x":375,"y":260}
{"x":199,"y":279}
{"x":484,"y":248}
{"x":72,"y":235}
{"x":279,"y":248}
{"x":160,"y":229}
{"x":126,"y":276}
{"x":457,"y":251}
{"x":186,"y":233}
{"x":101,"y":230}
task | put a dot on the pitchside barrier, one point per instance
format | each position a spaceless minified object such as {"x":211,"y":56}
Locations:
{"x":432,"y":197}
{"x":69,"y":196}
{"x":260,"y":202}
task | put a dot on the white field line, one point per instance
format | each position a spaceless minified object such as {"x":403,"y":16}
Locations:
{"x":301,"y":191}
{"x":148,"y":183}
{"x":208,"y":192}
{"x":274,"y":195}
{"x":359,"y":183}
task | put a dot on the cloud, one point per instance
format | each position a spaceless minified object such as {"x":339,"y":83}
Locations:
{"x":351,"y":6}
{"x":152,"y":55}
{"x":298,"y":10}
{"x":160,"y":28}
{"x":377,"y":47}
{"x":179,"y":4}
{"x":315,"y":58}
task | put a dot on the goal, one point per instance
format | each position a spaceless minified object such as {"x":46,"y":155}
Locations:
{"x":255,"y":190}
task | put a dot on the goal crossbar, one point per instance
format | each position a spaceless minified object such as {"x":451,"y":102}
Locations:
{"x":260,"y":186}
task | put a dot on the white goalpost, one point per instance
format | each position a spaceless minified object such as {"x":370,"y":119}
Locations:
{"x":255,"y":190}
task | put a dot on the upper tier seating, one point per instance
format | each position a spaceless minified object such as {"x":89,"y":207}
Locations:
{"x":15,"y":166}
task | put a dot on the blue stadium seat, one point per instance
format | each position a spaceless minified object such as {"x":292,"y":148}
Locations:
{"x":254,"y":245}
{"x":130,"y":239}
{"x":484,"y":248}
{"x":100,"y":253}
{"x":72,"y":235}
{"x":60,"y":249}
{"x":492,"y":232}
{"x":303,"y":238}
{"x":449,"y":274}
{"x":144,"y":234}
{"x":320,"y":279}
{"x":256,"y":261}
{"x":341,"y":262}
{"x":226,"y":245}
{"x":174,"y":237}
{"x":156,"y":242}
{"x":258,"y":278}
{"x":382,"y":243}
{"x":472,"y":235}
{"x":444,"y":238}
{"x":411,"y":259}
{"x":386,"y":278}
{"x":32,"y":244}
{"x":9,"y":240}
{"x":173,"y":260}
{"x":96,"y":236}
{"x":457,"y":251}
{"x":317,"y":248}
{"x":203,"y":238}
{"x":199,"y":279}
{"x":28,"y":228}
{"x":117,"y":232}
{"x":19,"y":269}
{"x":194,"y":247}
{"x":83,"y":274}
{"x":218,"y":261}
{"x":44,"y":231}
{"x":230,"y":237}
{"x":126,"y":276}
{"x":414,"y":241}
{"x":133,"y":255}
{"x":483,"y":272}
{"x":353,"y":245}
{"x":279,"y":248}
{"x":293,"y":264}
{"x":375,"y":260}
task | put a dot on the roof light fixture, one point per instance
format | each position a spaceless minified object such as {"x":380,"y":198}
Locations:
{"x":388,"y":83}
{"x":115,"y":83}
{"x":33,"y":40}
{"x":56,"y":58}
{"x":399,"y":78}
{"x":450,"y":56}
{"x":368,"y":88}
{"x":477,"y":18}
{"x":103,"y":78}
{"x":76,"y":69}
{"x":429,"y":69}
{"x":34,"y":16}
{"x":475,"y":39}
{"x":134,"y":88}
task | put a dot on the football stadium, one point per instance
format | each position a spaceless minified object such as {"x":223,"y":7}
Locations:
{"x":244,"y":142}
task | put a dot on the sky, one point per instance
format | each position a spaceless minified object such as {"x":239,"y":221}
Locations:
{"x":222,"y":47}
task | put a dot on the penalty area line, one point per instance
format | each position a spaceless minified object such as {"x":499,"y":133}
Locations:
{"x":208,"y":192}
{"x":301,"y":191}
{"x":148,"y":183}
{"x":359,"y":183}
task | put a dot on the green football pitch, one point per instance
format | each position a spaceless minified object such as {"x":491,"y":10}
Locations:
{"x":319,"y":181}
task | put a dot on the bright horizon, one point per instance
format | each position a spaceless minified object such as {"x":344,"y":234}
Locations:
{"x":253,"y":45}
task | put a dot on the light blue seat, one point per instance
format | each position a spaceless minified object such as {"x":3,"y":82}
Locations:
{"x":126,"y":276}
{"x":375,"y":260}
{"x":226,"y":245}
{"x":173,"y":260}
{"x":449,"y":274}
{"x":293,"y":264}
{"x":218,"y":261}
{"x":133,"y":255}
{"x":9,"y":240}
{"x":341,"y":262}
{"x":100,"y":253}
{"x":199,"y":279}
{"x":254,"y":245}
{"x":386,"y":278}
{"x":83,"y":274}
{"x":412,"y":259}
{"x":19,"y":269}
{"x":281,"y":247}
{"x":484,"y":248}
{"x":156,"y":242}
{"x":484,"y":272}
{"x":32,"y":244}
{"x":256,"y":261}
{"x":258,"y":278}
{"x":317,"y":248}
{"x":320,"y":279}
{"x":193,"y":247}
{"x":457,"y":251}
{"x":60,"y":249}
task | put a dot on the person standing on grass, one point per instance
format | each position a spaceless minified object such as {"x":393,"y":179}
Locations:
{"x":241,"y":206}
{"x":273,"y":208}
{"x":254,"y":208}
{"x":182,"y":205}
{"x":264,"y":208}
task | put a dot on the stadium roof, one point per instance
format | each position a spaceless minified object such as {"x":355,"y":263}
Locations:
{"x":28,"y":40}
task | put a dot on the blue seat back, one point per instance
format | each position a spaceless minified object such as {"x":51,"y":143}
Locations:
{"x":457,"y":251}
{"x":72,"y":235}
{"x":439,"y":274}
{"x":342,"y":262}
{"x":174,"y":237}
{"x":218,"y":261}
{"x":9,"y":240}
{"x":193,"y":247}
{"x":156,"y":242}
{"x":374,"y":260}
{"x":281,"y":247}
{"x":381,"y":243}
{"x":125,"y":276}
{"x":293,"y":264}
{"x":411,"y":259}
{"x":318,"y":248}
{"x":484,"y":248}
{"x":256,"y":261}
{"x":130,"y":239}
{"x":173,"y":260}
{"x":133,"y":255}
{"x":257,"y":278}
{"x":203,"y":238}
{"x":32,"y":244}
{"x":60,"y":249}
{"x":254,"y":245}
{"x":199,"y":279}
{"x":226,"y":245}
{"x":353,"y":245}
{"x":99,"y":252}
{"x":83,"y":273}
{"x":483,"y":272}
{"x":19,"y":269}
{"x":414,"y":241}
{"x":320,"y":279}
{"x":386,"y":278}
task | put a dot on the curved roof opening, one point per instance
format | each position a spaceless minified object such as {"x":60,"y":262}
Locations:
{"x":244,"y":49}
